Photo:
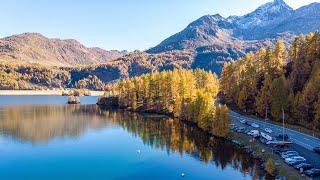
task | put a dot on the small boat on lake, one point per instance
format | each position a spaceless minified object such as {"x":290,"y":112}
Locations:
{"x":73,"y":100}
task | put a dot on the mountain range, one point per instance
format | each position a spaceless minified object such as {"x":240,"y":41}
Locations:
{"x":270,"y":21}
{"x":34,"y":48}
{"x":216,"y":39}
{"x":207,"y":43}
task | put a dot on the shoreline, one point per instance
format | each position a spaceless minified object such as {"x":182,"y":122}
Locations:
{"x":41,"y":93}
{"x":233,"y":137}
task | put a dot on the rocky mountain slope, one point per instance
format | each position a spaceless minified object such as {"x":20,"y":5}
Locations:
{"x":34,"y":48}
{"x":272,"y":20}
{"x":217,"y":39}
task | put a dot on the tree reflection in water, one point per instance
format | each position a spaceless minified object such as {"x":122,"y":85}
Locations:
{"x":176,"y":136}
{"x":40,"y":124}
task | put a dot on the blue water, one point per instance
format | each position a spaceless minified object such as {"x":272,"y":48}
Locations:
{"x":42,"y":100}
{"x":59,"y":141}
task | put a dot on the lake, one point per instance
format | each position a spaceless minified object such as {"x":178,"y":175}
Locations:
{"x":43,"y":138}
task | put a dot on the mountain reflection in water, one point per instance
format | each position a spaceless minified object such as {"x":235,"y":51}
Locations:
{"x":40,"y":124}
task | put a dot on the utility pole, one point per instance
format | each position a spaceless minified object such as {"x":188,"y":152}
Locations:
{"x":266,"y":117}
{"x":282,"y":123}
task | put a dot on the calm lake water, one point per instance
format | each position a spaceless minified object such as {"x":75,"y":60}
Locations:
{"x":42,"y":138}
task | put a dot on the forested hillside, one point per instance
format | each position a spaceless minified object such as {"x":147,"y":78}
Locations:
{"x":186,"y":94}
{"x":17,"y":76}
{"x":272,"y":79}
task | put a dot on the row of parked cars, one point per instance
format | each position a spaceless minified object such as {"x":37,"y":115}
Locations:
{"x":294,"y":159}
{"x":264,"y":137}
{"x":243,"y":121}
{"x":290,"y":157}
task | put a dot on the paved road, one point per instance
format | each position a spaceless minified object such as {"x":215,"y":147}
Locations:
{"x":296,"y":137}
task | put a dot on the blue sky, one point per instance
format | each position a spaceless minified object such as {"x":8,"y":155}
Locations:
{"x":116,"y":24}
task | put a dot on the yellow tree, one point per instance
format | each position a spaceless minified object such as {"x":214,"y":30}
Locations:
{"x":203,"y":110}
{"x":279,"y":98}
{"x":278,"y":59}
{"x":226,"y":81}
{"x":176,"y":96}
{"x":241,"y":99}
{"x":264,"y":96}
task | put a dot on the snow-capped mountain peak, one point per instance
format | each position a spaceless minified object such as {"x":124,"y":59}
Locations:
{"x":264,"y":14}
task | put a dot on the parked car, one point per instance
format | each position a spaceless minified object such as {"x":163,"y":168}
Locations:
{"x":316,"y":149}
{"x":268,"y":130}
{"x":303,"y":166}
{"x":243,"y":121}
{"x":240,"y":129}
{"x":295,"y":160}
{"x":312,"y":172}
{"x":289,"y":155}
{"x":248,"y":123}
{"x":288,"y":152}
{"x":266,"y":136}
{"x":255,"y":125}
{"x":254,"y":132}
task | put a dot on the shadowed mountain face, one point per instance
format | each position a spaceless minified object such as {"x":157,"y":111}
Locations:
{"x":217,"y":39}
{"x":34,"y":48}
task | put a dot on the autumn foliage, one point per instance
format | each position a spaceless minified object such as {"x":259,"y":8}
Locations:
{"x":272,"y":79}
{"x":185,"y":94}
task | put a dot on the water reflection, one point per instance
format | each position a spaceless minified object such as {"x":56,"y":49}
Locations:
{"x":176,"y":136}
{"x":40,"y":124}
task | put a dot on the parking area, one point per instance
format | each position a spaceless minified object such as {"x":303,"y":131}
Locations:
{"x":301,"y":158}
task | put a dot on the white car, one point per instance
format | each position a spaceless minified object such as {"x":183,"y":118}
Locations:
{"x":255,"y":125}
{"x":288,"y":152}
{"x":268,"y":130}
{"x":295,"y":158}
{"x":253,"y":132}
{"x":266,"y":136}
{"x":289,"y":155}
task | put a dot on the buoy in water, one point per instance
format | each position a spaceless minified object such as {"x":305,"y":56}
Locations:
{"x":182,"y":174}
{"x":138,"y":151}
